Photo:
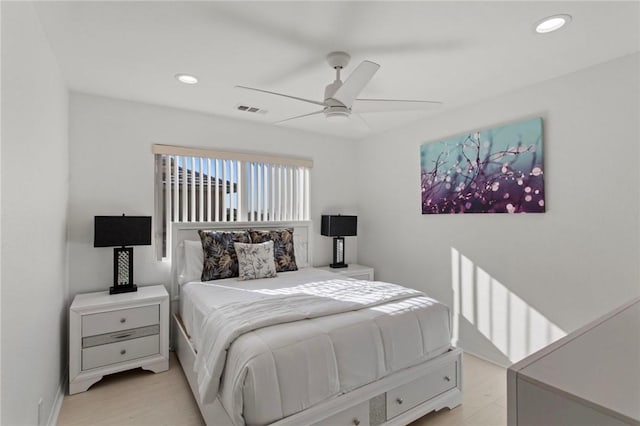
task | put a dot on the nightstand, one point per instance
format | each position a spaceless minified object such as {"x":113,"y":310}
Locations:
{"x":112,"y":333}
{"x":358,"y":272}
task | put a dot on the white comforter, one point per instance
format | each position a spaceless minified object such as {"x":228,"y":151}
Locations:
{"x":265,"y":363}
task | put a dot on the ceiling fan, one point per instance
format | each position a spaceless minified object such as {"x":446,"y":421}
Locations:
{"x":341,"y":98}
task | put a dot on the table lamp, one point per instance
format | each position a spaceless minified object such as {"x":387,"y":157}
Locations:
{"x":119,"y":232}
{"x":338,"y":226}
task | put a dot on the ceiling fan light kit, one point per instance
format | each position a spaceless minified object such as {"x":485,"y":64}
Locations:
{"x":341,"y":98}
{"x":337,"y":114}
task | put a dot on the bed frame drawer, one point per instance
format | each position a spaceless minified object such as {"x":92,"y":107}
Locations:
{"x":354,"y":416}
{"x":407,"y":396}
{"x":112,"y":353}
{"x":122,"y":319}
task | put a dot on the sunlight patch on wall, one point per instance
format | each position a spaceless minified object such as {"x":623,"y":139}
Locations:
{"x":513,"y":327}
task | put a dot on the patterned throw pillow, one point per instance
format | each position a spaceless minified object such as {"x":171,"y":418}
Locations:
{"x":285,"y":257}
{"x":255,"y":260}
{"x":220,"y":259}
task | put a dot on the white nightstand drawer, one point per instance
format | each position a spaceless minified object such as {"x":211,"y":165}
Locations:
{"x":120,"y":336}
{"x":112,"y":353}
{"x":123,"y":319}
{"x":414,"y":393}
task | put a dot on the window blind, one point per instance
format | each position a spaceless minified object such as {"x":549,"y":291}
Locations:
{"x":195,"y":185}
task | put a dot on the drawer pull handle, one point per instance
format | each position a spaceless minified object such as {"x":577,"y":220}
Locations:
{"x":356,"y":421}
{"x":122,"y":352}
{"x":447,"y":378}
{"x":123,"y":320}
{"x":122,"y":336}
{"x":399,"y":400}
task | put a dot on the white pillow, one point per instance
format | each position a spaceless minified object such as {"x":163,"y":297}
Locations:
{"x":255,"y":260}
{"x":192,"y":262}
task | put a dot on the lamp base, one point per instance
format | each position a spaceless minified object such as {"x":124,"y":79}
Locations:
{"x":123,"y":289}
{"x":338,"y":253}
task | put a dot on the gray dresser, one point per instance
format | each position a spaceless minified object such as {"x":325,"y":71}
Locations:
{"x":589,"y":377}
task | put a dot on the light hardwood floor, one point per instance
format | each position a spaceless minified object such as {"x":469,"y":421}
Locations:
{"x":140,"y":397}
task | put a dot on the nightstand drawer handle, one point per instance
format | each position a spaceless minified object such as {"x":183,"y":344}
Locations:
{"x":399,"y":400}
{"x":356,"y":421}
{"x":122,"y":352}
{"x":122,"y":336}
{"x":447,"y":378}
{"x":123,"y":320}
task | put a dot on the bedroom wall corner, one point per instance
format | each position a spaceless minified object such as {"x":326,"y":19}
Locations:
{"x":34,"y":190}
{"x":112,"y":171}
{"x":557,"y":270}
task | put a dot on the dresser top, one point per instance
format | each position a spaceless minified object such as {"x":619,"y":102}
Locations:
{"x":599,"y":364}
{"x":103,"y":298}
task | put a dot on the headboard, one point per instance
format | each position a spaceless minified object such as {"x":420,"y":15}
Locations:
{"x":189,"y":231}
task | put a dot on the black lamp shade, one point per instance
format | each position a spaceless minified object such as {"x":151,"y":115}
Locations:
{"x":339,"y":226}
{"x":114,"y":231}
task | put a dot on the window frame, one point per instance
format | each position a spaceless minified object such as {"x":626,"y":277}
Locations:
{"x":243,"y":181}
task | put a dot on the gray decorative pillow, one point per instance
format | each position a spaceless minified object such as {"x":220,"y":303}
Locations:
{"x":255,"y":260}
{"x":220,"y":260}
{"x":285,"y":257}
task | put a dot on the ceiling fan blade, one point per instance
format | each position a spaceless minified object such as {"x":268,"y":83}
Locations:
{"x":299,"y":116}
{"x":352,"y":87}
{"x":385,"y":105}
{"x":359,"y":122}
{"x":281,"y":94}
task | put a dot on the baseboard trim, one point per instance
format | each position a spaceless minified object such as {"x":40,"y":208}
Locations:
{"x":57,"y":402}
{"x":484,"y":358}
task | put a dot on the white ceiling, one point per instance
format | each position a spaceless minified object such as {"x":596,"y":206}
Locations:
{"x":455,"y":52}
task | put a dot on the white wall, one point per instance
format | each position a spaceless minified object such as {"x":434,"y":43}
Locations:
{"x":0,"y":230}
{"x":111,"y":167}
{"x":567,"y":266}
{"x":34,"y":218}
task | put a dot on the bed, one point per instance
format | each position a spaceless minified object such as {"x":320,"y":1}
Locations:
{"x":343,"y":352}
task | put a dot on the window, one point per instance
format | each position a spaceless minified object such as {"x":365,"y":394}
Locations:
{"x":195,"y":185}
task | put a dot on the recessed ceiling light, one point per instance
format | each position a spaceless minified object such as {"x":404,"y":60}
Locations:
{"x":552,"y":23}
{"x":186,"y":78}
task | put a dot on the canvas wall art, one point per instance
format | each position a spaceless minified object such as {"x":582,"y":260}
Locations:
{"x":499,"y":170}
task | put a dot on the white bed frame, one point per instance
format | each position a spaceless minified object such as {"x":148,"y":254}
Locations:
{"x":395,"y":400}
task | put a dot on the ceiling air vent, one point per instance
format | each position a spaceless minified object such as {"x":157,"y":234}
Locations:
{"x":248,"y":108}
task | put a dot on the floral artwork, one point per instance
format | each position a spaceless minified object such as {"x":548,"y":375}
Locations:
{"x":499,"y":170}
